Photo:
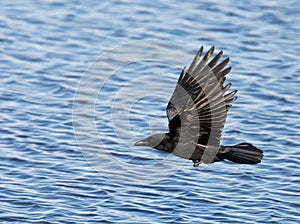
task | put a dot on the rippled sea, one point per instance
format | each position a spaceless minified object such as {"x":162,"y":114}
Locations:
{"x":81,"y":81}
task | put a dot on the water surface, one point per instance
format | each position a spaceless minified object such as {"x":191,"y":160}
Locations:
{"x":51,"y":171}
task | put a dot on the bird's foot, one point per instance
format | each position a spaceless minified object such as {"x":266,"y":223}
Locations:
{"x":196,"y":164}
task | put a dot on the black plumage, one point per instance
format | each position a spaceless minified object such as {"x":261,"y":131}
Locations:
{"x":197,"y":112}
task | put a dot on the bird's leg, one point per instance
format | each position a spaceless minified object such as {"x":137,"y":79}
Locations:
{"x":196,"y":163}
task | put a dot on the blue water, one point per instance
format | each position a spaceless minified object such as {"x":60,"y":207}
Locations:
{"x":81,"y":81}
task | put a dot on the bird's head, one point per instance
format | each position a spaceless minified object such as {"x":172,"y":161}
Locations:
{"x":152,"y":141}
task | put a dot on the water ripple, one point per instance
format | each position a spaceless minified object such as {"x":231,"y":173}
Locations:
{"x":45,"y":49}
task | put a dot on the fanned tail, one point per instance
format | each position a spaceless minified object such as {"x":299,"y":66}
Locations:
{"x":243,"y":153}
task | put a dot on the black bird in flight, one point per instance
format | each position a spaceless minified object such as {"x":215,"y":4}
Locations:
{"x":197,"y":112}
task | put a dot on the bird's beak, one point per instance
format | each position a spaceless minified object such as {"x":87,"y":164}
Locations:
{"x":140,"y":143}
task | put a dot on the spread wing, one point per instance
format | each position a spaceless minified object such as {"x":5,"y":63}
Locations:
{"x":200,"y":103}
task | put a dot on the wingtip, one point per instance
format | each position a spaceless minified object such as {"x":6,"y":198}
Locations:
{"x":200,"y":51}
{"x":220,"y":53}
{"x":226,"y":87}
{"x":230,"y":100}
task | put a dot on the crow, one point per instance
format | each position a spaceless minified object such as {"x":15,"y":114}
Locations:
{"x":197,"y":112}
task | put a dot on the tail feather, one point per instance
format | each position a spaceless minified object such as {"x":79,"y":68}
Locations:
{"x":244,"y":153}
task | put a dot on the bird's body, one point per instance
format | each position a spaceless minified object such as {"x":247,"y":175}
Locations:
{"x":197,"y":112}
